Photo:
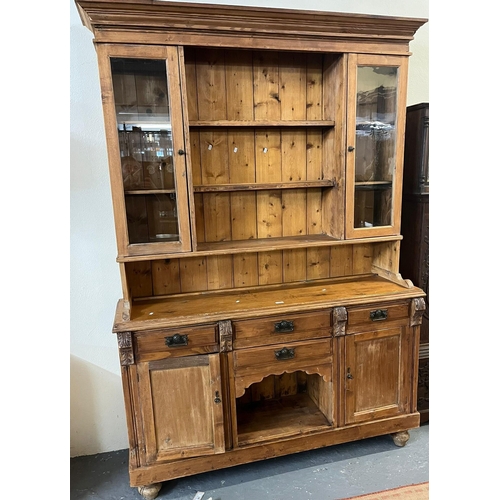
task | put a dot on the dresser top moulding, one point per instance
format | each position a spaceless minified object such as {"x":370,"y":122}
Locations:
{"x":161,"y":22}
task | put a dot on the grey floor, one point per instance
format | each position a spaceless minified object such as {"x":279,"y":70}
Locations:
{"x":332,"y":473}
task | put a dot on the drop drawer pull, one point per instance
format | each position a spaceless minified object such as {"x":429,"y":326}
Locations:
{"x":378,"y":315}
{"x":285,"y":353}
{"x":176,"y":340}
{"x":283,"y":326}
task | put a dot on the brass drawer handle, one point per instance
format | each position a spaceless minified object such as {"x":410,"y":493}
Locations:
{"x":283,"y":326}
{"x":378,"y":315}
{"x":176,"y":340}
{"x":285,"y":353}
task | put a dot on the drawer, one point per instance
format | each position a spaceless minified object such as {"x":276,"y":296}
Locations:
{"x":172,"y":342}
{"x":290,"y":355}
{"x":375,"y":316}
{"x":281,"y":329}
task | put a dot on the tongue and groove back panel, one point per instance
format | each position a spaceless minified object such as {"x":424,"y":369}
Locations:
{"x":197,"y":274}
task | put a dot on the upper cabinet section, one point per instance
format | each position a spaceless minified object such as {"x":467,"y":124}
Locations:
{"x":243,"y":129}
{"x":375,"y":136}
{"x":146,"y":150}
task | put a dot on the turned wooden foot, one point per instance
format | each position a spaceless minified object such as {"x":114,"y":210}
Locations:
{"x":150,"y":491}
{"x":400,"y":438}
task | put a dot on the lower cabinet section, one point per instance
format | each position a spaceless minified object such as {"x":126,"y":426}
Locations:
{"x":270,"y":386}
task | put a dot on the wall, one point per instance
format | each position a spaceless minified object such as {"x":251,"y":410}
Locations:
{"x":97,"y":412}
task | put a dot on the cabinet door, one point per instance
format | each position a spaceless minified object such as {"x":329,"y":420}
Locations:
{"x":375,"y":143}
{"x":181,"y":407}
{"x":146,"y":148}
{"x":377,"y":374}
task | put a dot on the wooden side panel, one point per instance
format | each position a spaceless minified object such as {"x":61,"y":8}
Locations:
{"x":335,"y":73}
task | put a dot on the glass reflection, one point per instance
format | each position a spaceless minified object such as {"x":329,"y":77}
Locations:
{"x":375,"y":150}
{"x":145,"y":139}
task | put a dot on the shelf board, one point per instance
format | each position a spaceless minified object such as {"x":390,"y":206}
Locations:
{"x":150,"y":191}
{"x":270,"y":419}
{"x":259,"y":245}
{"x":262,"y":123}
{"x":373,"y":185}
{"x":264,"y":244}
{"x":264,"y":186}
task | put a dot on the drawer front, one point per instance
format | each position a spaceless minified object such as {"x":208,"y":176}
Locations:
{"x":172,"y":342}
{"x":376,"y":316}
{"x":281,"y":355}
{"x":281,"y":329}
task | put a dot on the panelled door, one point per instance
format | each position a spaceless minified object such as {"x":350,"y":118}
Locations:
{"x":377,"y":378}
{"x":181,"y":407}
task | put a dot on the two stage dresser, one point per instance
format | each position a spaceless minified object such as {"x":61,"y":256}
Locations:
{"x":255,"y":160}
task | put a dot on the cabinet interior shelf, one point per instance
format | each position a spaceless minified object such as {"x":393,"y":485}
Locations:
{"x":373,"y":184}
{"x":262,"y":123}
{"x":268,"y":419}
{"x":150,"y":191}
{"x":265,"y":186}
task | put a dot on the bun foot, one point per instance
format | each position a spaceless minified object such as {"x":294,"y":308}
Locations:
{"x":400,"y":438}
{"x":149,"y":491}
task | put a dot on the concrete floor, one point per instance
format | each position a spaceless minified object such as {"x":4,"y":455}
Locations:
{"x":332,"y":473}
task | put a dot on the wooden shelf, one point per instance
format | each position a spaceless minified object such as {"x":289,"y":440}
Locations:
{"x":271,"y":419}
{"x":259,"y":245}
{"x":262,"y":123}
{"x":266,"y":244}
{"x":264,"y":186}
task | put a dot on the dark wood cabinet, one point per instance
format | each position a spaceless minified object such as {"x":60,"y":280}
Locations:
{"x":414,"y":263}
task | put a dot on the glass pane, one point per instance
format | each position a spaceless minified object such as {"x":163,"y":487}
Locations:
{"x":375,"y":149}
{"x":145,"y":137}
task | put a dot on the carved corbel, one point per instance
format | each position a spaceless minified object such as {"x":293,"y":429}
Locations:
{"x":125,"y":348}
{"x":417,"y":311}
{"x":339,"y":321}
{"x":225,"y":336}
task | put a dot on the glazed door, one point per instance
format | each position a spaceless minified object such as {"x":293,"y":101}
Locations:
{"x":146,"y":148}
{"x":375,"y":141}
{"x":181,"y":407}
{"x":377,"y":374}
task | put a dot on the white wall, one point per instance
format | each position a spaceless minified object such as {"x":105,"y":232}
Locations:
{"x":97,"y":411}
